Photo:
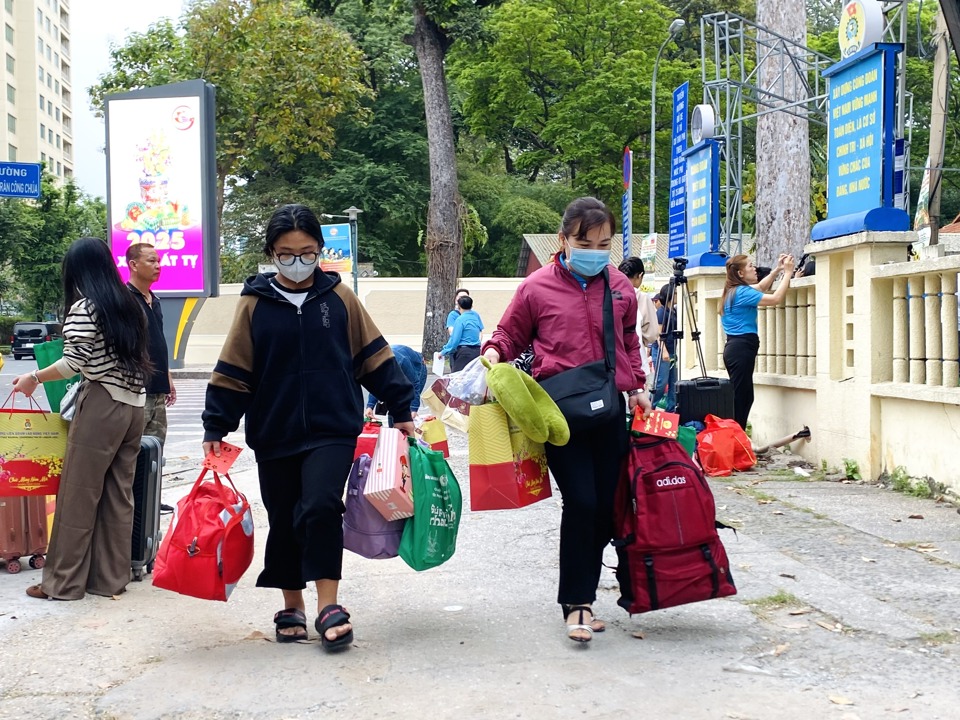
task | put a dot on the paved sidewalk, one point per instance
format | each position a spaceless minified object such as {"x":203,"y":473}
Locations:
{"x":848,"y":608}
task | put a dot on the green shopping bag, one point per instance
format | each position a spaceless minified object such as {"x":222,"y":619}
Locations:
{"x":47,"y":354}
{"x":430,"y":536}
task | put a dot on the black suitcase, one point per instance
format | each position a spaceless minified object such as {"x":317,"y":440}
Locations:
{"x":704,"y":396}
{"x":146,"y":506}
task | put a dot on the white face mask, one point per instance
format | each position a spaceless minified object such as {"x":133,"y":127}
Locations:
{"x":299,"y":271}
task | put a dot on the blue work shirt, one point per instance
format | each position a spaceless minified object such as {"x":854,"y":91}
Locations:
{"x":452,"y":318}
{"x":740,"y":311}
{"x":466,"y":331}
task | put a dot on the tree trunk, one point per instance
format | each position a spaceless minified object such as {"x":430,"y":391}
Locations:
{"x":444,"y":237}
{"x":783,"y":142}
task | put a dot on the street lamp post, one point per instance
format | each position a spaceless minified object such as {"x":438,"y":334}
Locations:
{"x":675,"y":27}
{"x":352,"y":213}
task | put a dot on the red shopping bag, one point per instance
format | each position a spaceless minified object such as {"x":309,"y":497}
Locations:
{"x":724,"y":447}
{"x":367,"y":440}
{"x":209,"y":544}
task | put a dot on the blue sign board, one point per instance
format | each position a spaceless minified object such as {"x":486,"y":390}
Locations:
{"x":20,"y":180}
{"x":627,"y":204}
{"x":678,"y":208}
{"x":855,"y":138}
{"x":703,"y":197}
{"x":860,"y":145}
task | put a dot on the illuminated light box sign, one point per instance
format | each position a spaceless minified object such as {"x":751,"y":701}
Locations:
{"x":335,"y":255}
{"x":161,"y":185}
{"x":702,"y":184}
{"x":860,"y":146}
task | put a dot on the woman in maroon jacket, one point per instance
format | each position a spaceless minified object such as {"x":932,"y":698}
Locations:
{"x":559,"y":310}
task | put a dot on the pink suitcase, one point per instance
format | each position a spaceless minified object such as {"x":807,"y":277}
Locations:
{"x":23,"y":530}
{"x":388,"y":486}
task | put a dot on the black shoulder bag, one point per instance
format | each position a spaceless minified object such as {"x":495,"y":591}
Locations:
{"x":587,"y":395}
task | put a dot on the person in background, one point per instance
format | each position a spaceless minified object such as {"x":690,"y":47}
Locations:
{"x":300,"y":348}
{"x":464,"y":343}
{"x":742,"y":295}
{"x":144,"y":264}
{"x":455,"y":313}
{"x":413,"y":366}
{"x":647,"y":323}
{"x":665,"y":385}
{"x":105,"y":339}
{"x":559,"y":310}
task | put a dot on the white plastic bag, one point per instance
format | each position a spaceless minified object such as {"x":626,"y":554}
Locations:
{"x":438,"y":364}
{"x":470,"y":384}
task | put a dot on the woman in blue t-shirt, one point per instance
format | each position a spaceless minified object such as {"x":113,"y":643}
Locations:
{"x":742,"y":295}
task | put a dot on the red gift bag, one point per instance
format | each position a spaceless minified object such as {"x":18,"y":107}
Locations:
{"x":507,"y":469}
{"x":33,"y":444}
{"x":724,"y":447}
{"x":209,"y":544}
{"x":367,"y":440}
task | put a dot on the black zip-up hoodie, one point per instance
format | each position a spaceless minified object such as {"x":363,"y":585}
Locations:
{"x":295,"y":373}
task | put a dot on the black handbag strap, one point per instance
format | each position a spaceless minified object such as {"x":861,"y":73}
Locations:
{"x":609,"y":351}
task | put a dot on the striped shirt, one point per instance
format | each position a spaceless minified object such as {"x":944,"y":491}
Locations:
{"x":85,"y":352}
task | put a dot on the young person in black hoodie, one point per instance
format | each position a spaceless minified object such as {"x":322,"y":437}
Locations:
{"x":293,"y":363}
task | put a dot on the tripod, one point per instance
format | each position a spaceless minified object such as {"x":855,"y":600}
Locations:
{"x":676,"y":294}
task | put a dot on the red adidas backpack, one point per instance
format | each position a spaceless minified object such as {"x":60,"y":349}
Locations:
{"x":665,"y":530}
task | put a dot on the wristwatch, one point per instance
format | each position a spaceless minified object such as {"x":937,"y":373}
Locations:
{"x":632,"y":393}
{"x":33,"y":374}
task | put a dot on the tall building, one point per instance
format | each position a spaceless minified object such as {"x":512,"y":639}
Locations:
{"x":38,"y":98}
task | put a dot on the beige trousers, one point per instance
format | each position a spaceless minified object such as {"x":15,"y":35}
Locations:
{"x":90,"y":544}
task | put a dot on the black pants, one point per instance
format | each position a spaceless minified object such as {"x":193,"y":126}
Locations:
{"x":303,"y":495}
{"x":462,"y":355}
{"x":740,"y":358}
{"x":586,"y":470}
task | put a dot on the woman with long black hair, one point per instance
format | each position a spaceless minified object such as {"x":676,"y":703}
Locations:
{"x":105,"y":340}
{"x":743,"y":293}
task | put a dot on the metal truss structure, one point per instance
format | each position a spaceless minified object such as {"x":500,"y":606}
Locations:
{"x":749,"y":71}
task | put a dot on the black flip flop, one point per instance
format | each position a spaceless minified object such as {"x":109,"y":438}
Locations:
{"x":330,"y":617}
{"x":290,"y":618}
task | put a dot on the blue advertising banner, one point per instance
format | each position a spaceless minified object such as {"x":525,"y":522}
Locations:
{"x":335,"y":254}
{"x":627,"y":204}
{"x":855,"y":138}
{"x":703,"y":198}
{"x":20,"y":180}
{"x":678,"y":169}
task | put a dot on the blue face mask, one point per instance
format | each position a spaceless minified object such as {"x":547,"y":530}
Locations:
{"x":587,"y":263}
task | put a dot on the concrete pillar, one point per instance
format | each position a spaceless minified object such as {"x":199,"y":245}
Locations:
{"x":812,"y":331}
{"x":901,"y":340}
{"x":854,"y":326}
{"x":801,"y":322}
{"x":792,"y":344}
{"x":933,"y":329}
{"x":916,"y":320}
{"x":948,"y":320}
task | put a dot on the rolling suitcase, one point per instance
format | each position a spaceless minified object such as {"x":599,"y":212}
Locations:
{"x":704,"y":396}
{"x":23,"y":530}
{"x":146,"y":506}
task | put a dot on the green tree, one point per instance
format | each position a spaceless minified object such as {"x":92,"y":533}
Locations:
{"x":564,"y":85}
{"x":45,"y":230}
{"x":283,"y":77}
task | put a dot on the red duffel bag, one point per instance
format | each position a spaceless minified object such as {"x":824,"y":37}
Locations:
{"x":209,"y":544}
{"x":724,"y":447}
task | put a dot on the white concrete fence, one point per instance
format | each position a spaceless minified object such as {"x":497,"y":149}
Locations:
{"x":873,"y":368}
